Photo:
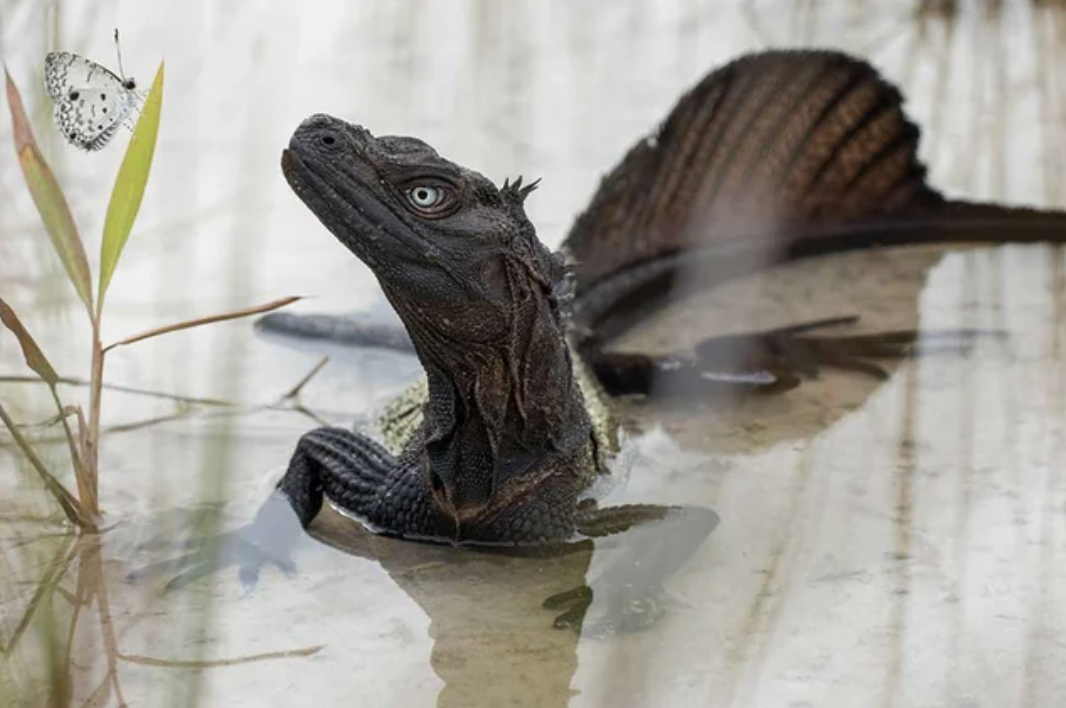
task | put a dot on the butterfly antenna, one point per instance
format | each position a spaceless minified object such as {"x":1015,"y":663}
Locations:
{"x":118,"y":51}
{"x":128,"y":83}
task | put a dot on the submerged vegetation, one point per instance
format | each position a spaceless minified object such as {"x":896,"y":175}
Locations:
{"x":82,"y":430}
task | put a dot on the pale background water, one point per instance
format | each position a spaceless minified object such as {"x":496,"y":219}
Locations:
{"x":894,"y":545}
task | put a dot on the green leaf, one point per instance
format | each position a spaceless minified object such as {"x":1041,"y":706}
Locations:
{"x":35,"y":358}
{"x":49,"y":199}
{"x":129,"y":184}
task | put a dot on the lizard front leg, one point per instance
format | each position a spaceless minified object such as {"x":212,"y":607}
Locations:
{"x":357,"y":474}
{"x":363,"y":479}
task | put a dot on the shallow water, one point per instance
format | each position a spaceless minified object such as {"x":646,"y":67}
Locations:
{"x":886,"y":544}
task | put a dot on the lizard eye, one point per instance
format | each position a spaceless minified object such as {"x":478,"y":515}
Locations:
{"x":424,"y":196}
{"x":431,"y":199}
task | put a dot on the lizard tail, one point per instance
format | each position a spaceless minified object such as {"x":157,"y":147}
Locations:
{"x":776,"y":156}
{"x":982,"y":222}
{"x":613,"y":304}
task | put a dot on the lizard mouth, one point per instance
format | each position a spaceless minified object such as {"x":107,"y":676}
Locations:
{"x":294,"y":170}
{"x":347,"y":206}
{"x":311,"y":190}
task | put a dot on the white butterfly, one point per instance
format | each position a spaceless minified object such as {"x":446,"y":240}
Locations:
{"x":91,"y":101}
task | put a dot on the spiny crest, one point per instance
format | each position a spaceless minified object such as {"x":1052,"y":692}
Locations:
{"x":555,"y":272}
{"x":515,"y":192}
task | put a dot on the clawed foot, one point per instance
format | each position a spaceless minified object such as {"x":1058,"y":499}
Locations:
{"x":775,"y":360}
{"x":647,"y":545}
{"x":211,"y":555}
{"x":625,"y":609}
{"x":266,"y":541}
{"x":791,"y":353}
{"x":579,"y":599}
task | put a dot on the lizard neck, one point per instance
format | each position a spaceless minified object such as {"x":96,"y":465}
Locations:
{"x":504,"y":404}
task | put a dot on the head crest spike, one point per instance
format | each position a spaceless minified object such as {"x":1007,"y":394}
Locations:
{"x":516,"y":191}
{"x":525,"y":191}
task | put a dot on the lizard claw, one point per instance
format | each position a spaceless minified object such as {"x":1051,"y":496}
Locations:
{"x":213,"y":555}
{"x":791,"y":353}
{"x":775,"y":360}
{"x":579,"y":599}
{"x":626,"y":608}
{"x":652,"y":542}
{"x":268,"y":540}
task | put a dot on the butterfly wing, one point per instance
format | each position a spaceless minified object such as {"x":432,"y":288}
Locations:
{"x":92,"y":119}
{"x":57,"y":73}
{"x":91,"y":102}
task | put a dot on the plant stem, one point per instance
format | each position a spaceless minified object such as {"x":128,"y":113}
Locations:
{"x":92,"y":439}
{"x":72,"y":442}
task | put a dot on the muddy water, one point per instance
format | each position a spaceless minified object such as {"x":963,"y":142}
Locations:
{"x":896,"y":543}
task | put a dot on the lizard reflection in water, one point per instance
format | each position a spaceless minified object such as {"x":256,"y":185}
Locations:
{"x":776,"y":156}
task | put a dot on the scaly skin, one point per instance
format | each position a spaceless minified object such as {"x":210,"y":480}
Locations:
{"x":776,"y":156}
{"x":505,"y":447}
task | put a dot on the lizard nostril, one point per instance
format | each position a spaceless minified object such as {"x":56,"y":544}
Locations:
{"x":328,"y":140}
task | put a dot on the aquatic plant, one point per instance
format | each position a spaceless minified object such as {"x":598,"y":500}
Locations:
{"x":83,"y":437}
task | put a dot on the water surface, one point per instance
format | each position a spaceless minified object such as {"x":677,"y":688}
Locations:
{"x":896,"y":543}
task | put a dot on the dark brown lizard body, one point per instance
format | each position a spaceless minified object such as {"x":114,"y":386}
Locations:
{"x":776,"y":156}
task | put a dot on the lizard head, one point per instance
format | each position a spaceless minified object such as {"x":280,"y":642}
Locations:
{"x":478,"y":292}
{"x":431,"y":231}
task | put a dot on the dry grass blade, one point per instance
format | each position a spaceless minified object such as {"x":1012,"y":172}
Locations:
{"x":67,"y":412}
{"x":133,"y":390}
{"x":40,"y":365}
{"x":35,"y":358}
{"x":208,"y":664}
{"x":49,"y":199}
{"x":189,"y":324}
{"x":294,"y":392}
{"x":71,"y":507}
{"x":101,"y":696}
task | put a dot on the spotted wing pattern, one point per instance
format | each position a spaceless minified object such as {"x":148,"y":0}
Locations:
{"x":90,"y":101}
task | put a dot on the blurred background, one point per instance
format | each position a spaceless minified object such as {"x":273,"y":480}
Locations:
{"x":901,"y":545}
